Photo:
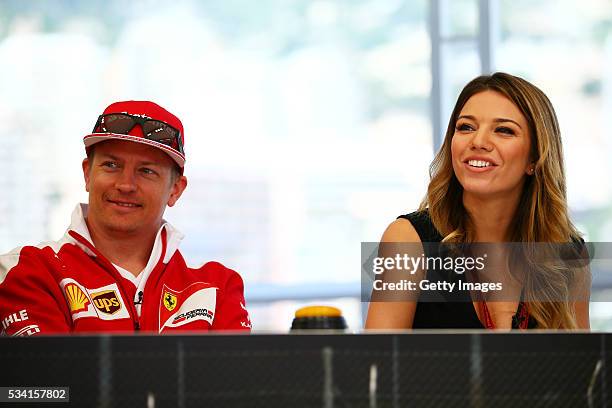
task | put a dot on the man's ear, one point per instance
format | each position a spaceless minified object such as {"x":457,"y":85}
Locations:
{"x":86,"y":168}
{"x":180,"y":184}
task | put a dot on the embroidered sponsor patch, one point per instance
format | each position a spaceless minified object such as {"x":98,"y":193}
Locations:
{"x":207,"y":314}
{"x":77,"y":300}
{"x":196,"y":302}
{"x":169,"y":300}
{"x":106,"y":301}
{"x":20,"y":316}
{"x":27,"y":331}
{"x":246,"y":323}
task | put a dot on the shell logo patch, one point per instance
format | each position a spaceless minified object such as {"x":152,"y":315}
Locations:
{"x":106,"y":301}
{"x":169,"y":300}
{"x":77,"y":300}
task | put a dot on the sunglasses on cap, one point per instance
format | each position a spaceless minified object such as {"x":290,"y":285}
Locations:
{"x":155,"y":130}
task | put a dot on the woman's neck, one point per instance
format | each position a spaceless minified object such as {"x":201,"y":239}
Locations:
{"x":491,"y":218}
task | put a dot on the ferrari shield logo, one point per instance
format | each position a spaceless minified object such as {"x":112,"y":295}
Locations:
{"x":169,"y":301}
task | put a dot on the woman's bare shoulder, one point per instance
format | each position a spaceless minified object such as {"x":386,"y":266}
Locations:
{"x":400,"y":230}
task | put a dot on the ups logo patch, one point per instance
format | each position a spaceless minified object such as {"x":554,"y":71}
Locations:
{"x":106,"y":301}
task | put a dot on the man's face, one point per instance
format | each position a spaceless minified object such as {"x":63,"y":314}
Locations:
{"x":129,"y":184}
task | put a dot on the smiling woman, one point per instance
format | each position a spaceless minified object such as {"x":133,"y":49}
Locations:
{"x":491,"y":148}
{"x":498,"y":178}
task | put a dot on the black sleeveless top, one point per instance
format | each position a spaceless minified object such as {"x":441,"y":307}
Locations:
{"x":451,"y":311}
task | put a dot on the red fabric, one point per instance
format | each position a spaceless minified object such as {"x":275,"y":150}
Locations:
{"x":148,"y":109}
{"x":522,"y":316}
{"x":59,"y":288}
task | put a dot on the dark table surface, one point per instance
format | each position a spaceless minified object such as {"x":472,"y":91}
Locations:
{"x":424,"y":369}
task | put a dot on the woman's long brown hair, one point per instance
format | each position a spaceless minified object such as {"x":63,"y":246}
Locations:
{"x":542,"y":213}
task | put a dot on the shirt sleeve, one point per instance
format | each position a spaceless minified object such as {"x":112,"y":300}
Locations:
{"x":31,"y":302}
{"x":231,"y":313}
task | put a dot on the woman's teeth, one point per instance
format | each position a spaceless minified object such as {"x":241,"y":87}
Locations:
{"x":479,"y":163}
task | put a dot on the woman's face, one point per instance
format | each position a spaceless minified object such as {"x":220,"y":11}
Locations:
{"x":491,"y":147}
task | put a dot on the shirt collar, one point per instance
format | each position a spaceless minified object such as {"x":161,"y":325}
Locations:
{"x":78,"y":225}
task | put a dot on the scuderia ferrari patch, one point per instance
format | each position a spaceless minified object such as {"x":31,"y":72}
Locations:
{"x":197,"y":302}
{"x":169,"y":300}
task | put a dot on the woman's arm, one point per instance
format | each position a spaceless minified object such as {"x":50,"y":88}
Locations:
{"x":581,"y":290}
{"x":582,"y":315}
{"x":395,"y":314}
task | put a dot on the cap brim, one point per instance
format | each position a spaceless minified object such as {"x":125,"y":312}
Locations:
{"x":94,"y":138}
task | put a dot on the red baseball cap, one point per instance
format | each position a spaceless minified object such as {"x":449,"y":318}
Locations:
{"x":144,"y":110}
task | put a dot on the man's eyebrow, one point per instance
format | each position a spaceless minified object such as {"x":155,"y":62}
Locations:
{"x":109,"y":156}
{"x":142,"y":163}
{"x":149,"y":163}
{"x":497,"y":120}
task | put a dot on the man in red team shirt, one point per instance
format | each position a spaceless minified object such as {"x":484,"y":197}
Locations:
{"x":118,"y":267}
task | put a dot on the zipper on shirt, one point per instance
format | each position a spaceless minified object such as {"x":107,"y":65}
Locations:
{"x":138,"y":302}
{"x":115,"y":273}
{"x":108,"y":266}
{"x":151,"y":287}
